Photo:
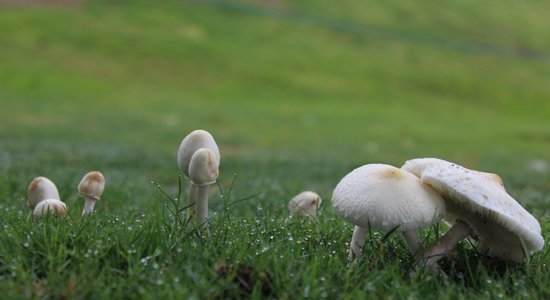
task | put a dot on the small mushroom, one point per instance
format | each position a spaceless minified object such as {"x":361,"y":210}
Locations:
{"x":305,"y":204}
{"x":50,"y":206}
{"x":203,"y":171}
{"x":91,"y":187}
{"x":199,"y":160}
{"x":385,"y":197}
{"x":478,"y":206}
{"x":44,"y":198}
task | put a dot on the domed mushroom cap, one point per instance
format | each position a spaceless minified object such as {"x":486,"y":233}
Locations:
{"x":203,"y":168}
{"x":92,"y":185}
{"x":191,"y":143}
{"x":385,"y":197}
{"x":50,"y":206}
{"x":305,"y":204}
{"x":498,"y":221}
{"x":39,"y":189}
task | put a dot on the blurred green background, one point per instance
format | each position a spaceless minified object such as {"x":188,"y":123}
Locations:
{"x":297,"y":93}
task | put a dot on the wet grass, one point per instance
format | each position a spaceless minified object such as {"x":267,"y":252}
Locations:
{"x":295,"y":104}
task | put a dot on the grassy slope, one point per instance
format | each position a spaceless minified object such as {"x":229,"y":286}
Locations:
{"x":293,"y":104}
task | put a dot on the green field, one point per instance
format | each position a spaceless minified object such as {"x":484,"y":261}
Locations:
{"x":297,"y":94}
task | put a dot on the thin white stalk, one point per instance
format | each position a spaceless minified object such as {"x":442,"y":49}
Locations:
{"x":193,"y":189}
{"x":88,"y":205}
{"x":357,"y":243}
{"x":413,"y":241}
{"x":201,"y":206}
{"x":448,"y":242}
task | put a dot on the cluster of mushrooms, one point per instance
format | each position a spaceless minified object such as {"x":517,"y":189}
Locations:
{"x":44,"y":199}
{"x":376,"y":196}
{"x":425,"y":190}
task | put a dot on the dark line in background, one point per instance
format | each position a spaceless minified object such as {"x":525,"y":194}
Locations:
{"x":406,"y":36}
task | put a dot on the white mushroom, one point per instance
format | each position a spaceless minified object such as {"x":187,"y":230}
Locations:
{"x":385,"y":197}
{"x":50,"y":206}
{"x":203,"y":171}
{"x":91,"y":187}
{"x":305,"y":204}
{"x":479,"y":207}
{"x":44,"y":198}
{"x":41,"y":188}
{"x":199,"y":160}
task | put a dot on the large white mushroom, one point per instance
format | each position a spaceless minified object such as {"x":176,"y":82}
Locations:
{"x":199,"y":160}
{"x":385,"y":197}
{"x":478,"y":206}
{"x":305,"y":204}
{"x":44,"y":198}
{"x":91,"y":187}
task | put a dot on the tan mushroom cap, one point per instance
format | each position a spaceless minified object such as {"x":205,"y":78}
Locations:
{"x":203,"y":168}
{"x":305,"y":204}
{"x":39,"y":189}
{"x":498,"y":221}
{"x":385,"y":197}
{"x":92,"y":185}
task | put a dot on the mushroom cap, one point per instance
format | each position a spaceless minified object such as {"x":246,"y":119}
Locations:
{"x":498,"y":221}
{"x":50,"y":206}
{"x":39,"y":189}
{"x":305,"y":204}
{"x":191,"y":143}
{"x":385,"y":197}
{"x":203,"y":168}
{"x":92,"y":185}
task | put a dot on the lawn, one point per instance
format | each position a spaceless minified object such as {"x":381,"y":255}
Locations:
{"x":297,"y":94}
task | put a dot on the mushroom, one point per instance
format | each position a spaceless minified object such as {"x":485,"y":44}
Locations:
{"x":203,"y":171}
{"x":305,"y":204}
{"x":199,"y":160}
{"x":41,"y":188}
{"x":44,"y":198}
{"x":91,"y":187}
{"x":385,"y":197}
{"x":50,"y":206}
{"x":478,"y":206}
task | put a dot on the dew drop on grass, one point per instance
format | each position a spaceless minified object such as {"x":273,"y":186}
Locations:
{"x":306,"y":291}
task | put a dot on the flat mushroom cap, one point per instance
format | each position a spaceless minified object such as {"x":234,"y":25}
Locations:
{"x":50,"y":206}
{"x":39,"y":189}
{"x":498,"y":221}
{"x":385,"y":197}
{"x":92,"y":185}
{"x":305,"y":204}
{"x":203,"y":168}
{"x":191,"y":143}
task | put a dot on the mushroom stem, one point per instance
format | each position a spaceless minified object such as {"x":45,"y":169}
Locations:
{"x":88,"y":205}
{"x":192,"y":201}
{"x":357,"y":243}
{"x":413,"y":241}
{"x":458,"y":232}
{"x":201,"y":206}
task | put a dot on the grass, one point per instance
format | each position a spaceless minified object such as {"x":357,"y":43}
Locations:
{"x":297,"y":94}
